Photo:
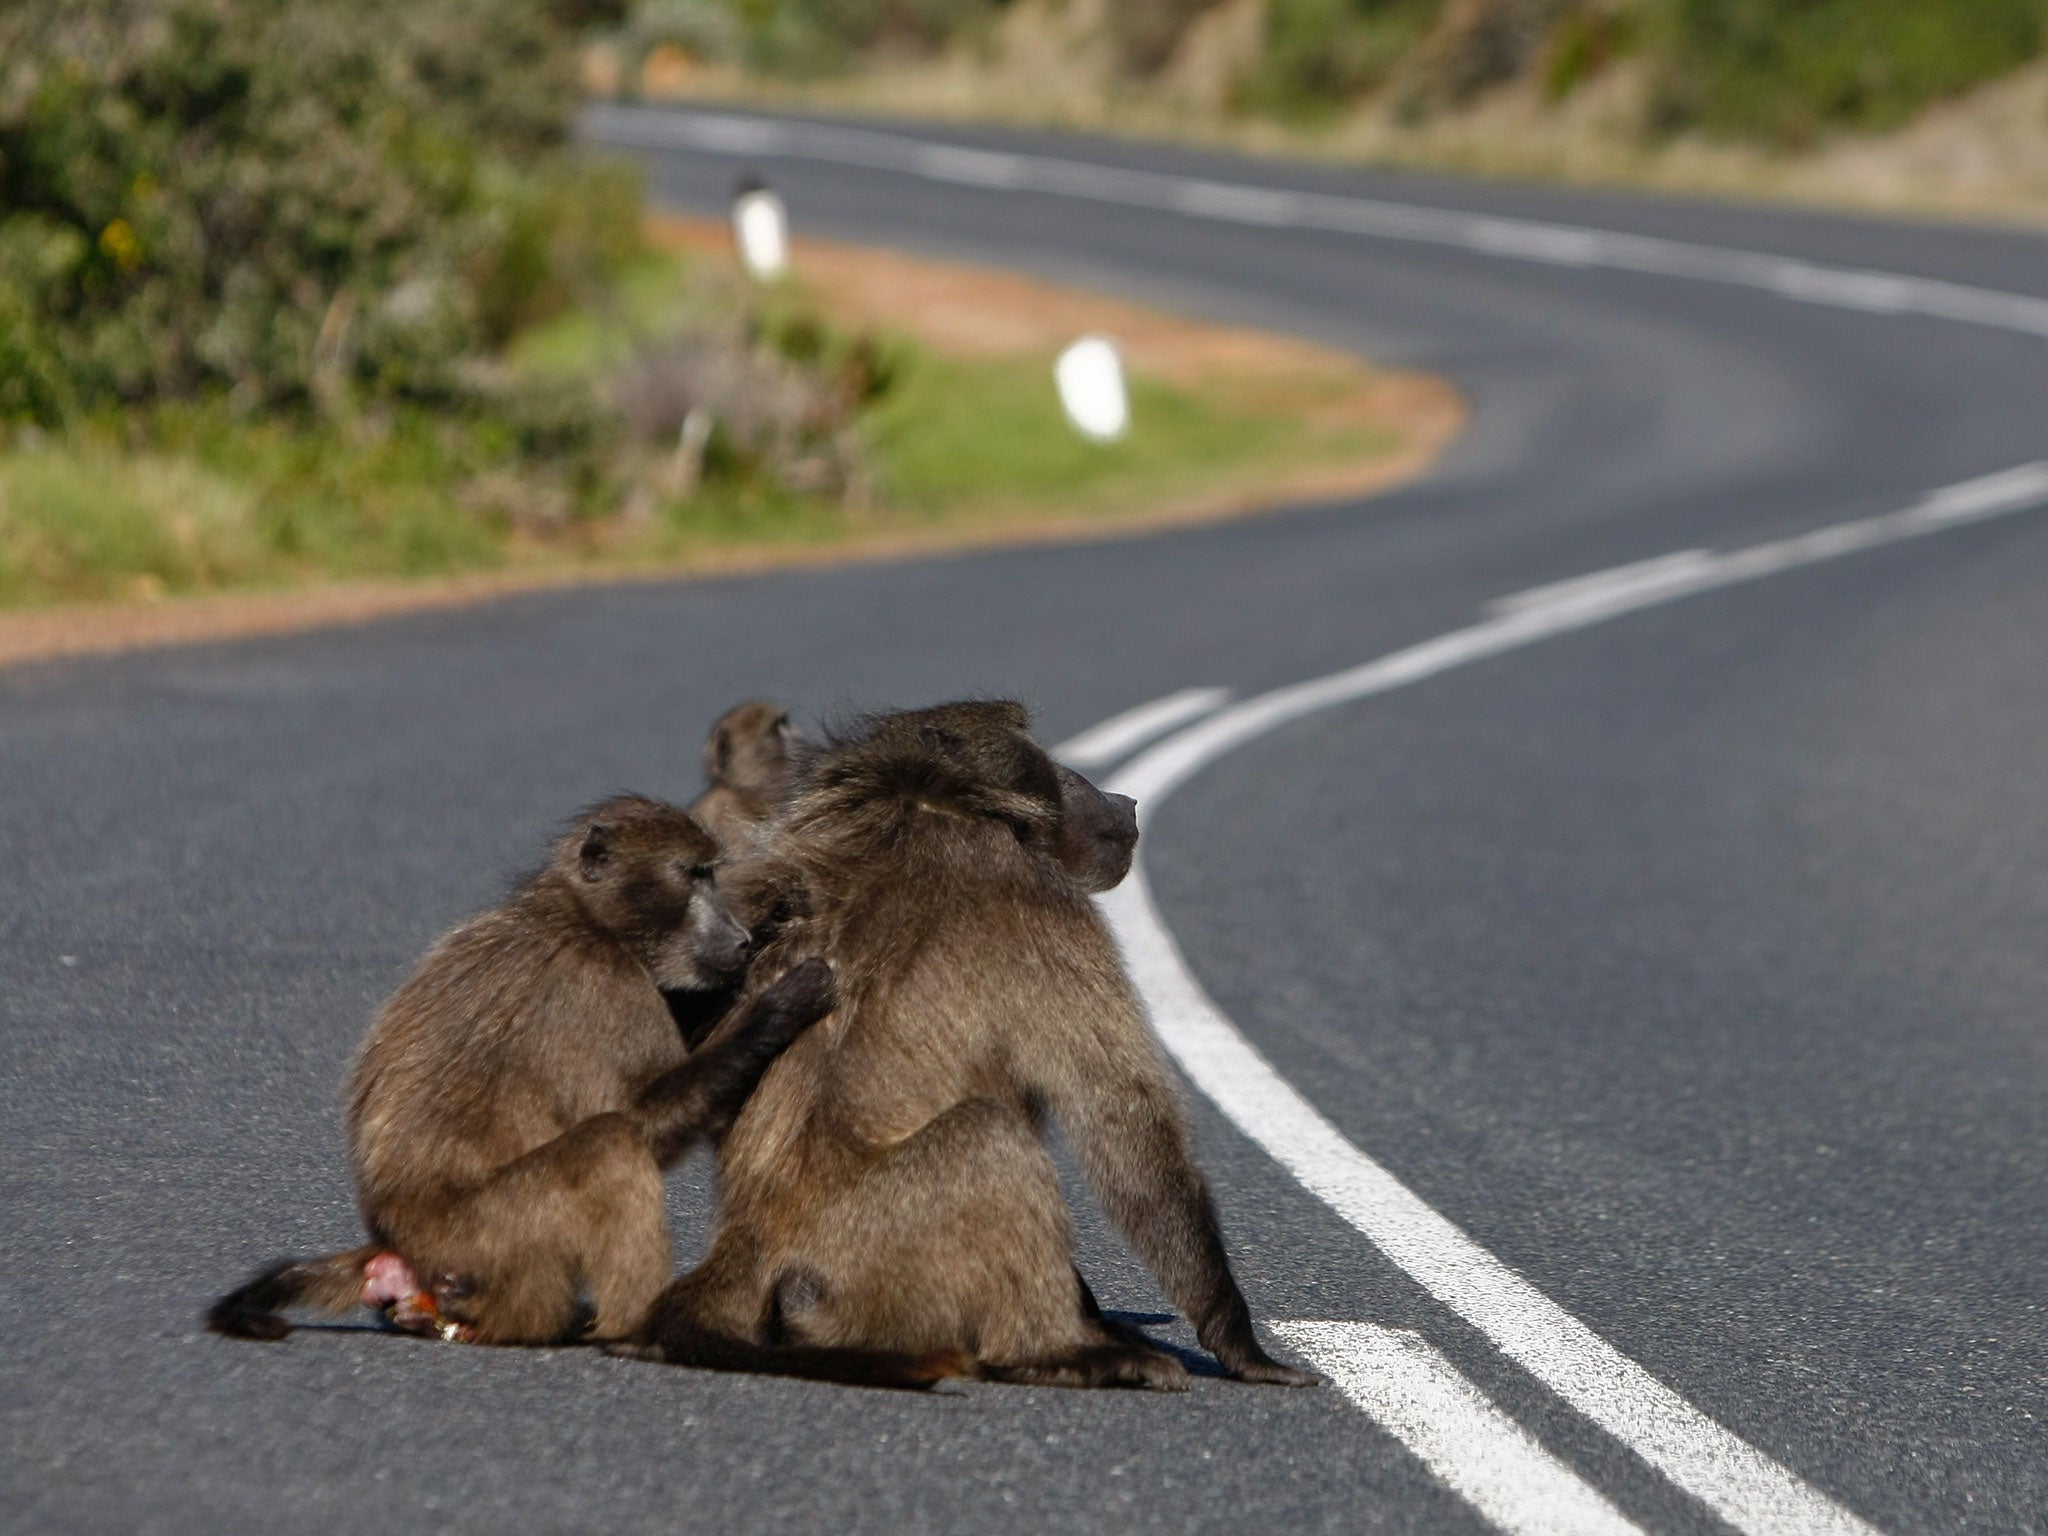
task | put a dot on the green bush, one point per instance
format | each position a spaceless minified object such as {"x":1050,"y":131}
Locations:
{"x":1147,"y":32}
{"x":1588,"y":36}
{"x":824,"y":35}
{"x":284,"y":201}
{"x":1789,"y":69}
{"x":1320,"y":54}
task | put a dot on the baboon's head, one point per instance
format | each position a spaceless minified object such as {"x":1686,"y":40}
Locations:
{"x":978,"y":758}
{"x":753,"y":749}
{"x":1098,"y":832}
{"x":645,"y":872}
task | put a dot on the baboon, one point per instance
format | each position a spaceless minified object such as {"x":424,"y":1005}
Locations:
{"x":751,"y":759}
{"x":515,"y":1102}
{"x":887,"y":1186}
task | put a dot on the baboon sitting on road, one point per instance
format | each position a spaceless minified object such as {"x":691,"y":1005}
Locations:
{"x":516,"y":1100}
{"x":887,"y":1186}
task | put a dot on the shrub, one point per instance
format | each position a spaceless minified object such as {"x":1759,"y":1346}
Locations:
{"x":1320,"y":54}
{"x":1789,"y":69}
{"x":803,"y":37}
{"x":284,"y":201}
{"x":1147,"y":32}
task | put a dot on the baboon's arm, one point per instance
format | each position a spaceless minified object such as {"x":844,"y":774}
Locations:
{"x":702,"y":1097}
{"x":1107,"y":1084}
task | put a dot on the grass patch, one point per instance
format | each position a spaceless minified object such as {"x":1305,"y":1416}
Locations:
{"x":983,"y":438}
{"x":195,"y":498}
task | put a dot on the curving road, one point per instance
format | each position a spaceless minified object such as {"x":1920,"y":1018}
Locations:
{"x":1619,"y":1016}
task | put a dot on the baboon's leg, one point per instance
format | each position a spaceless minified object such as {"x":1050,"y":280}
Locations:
{"x":569,"y":1241}
{"x":723,"y":1294}
{"x":958,"y":1239}
{"x":1121,"y":1332}
{"x":1113,"y":1099}
{"x":1096,"y":1365}
{"x":711,"y":1319}
{"x":955,"y":1238}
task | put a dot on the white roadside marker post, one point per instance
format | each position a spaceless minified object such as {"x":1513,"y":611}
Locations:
{"x":1090,"y":376}
{"x":760,"y":230}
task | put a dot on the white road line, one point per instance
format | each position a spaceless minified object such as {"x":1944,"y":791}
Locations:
{"x":1642,"y":576}
{"x":1124,"y":733}
{"x":1566,"y":245}
{"x":1734,"y":1479}
{"x":1164,"y":766}
{"x":1738,"y":1482}
{"x":1422,"y":1400}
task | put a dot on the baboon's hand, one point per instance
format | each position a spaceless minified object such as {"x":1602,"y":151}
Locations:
{"x":800,"y":997}
{"x":1251,"y":1363}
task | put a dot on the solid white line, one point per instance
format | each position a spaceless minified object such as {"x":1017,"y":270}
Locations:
{"x":1567,"y":245}
{"x":1127,"y":732}
{"x":1734,"y":1479}
{"x":1422,"y":1400}
{"x":1163,"y":767}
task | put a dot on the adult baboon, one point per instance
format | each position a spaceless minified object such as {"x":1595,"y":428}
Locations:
{"x":887,"y":1186}
{"x":516,"y":1100}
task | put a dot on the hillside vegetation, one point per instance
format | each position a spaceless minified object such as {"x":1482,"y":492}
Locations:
{"x":1594,"y":86}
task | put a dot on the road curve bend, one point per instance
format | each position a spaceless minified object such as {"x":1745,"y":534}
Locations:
{"x":1619,"y":854}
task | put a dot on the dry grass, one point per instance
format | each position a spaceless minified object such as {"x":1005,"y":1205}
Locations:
{"x":1983,"y":156}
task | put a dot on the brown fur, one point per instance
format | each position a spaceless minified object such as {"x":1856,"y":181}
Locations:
{"x":515,"y":1102}
{"x":887,"y":1187}
{"x":751,"y":760}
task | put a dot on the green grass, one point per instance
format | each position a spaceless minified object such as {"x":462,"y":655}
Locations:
{"x":215,"y":501}
{"x":655,"y":295}
{"x":80,"y":522}
{"x":960,"y":438}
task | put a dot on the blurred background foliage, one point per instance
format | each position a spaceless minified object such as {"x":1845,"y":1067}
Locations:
{"x":291,"y":203}
{"x":1777,"y":71}
{"x":278,"y":280}
{"x":291,"y":287}
{"x":1789,"y":69}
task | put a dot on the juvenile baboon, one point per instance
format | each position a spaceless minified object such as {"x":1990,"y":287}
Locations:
{"x":887,"y":1186}
{"x":751,"y":759}
{"x":515,"y":1102}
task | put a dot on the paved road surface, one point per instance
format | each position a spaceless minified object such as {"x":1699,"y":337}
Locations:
{"x":1679,"y":943}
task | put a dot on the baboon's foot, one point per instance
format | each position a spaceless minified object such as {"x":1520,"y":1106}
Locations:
{"x":1271,"y":1373}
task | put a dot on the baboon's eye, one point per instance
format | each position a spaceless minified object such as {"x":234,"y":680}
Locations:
{"x":702,"y":871}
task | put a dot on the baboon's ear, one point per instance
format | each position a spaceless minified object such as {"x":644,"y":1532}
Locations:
{"x":721,"y":752}
{"x":596,"y":852}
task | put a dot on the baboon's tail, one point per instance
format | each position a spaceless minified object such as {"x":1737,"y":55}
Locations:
{"x":686,"y":1344}
{"x":331,"y":1285}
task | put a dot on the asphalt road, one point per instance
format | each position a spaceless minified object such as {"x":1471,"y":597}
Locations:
{"x":1690,"y":962}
